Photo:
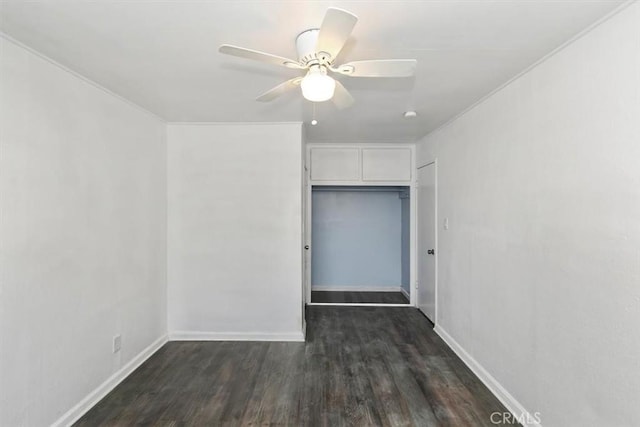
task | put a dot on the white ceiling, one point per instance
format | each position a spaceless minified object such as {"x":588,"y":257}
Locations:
{"x":163,"y":55}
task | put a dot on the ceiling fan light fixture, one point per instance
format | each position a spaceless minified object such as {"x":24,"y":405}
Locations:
{"x":317,"y":86}
{"x":317,"y":49}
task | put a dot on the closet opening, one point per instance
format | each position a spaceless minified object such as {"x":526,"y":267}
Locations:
{"x":361,"y":245}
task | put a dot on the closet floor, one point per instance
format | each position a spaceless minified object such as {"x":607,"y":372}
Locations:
{"x":359,"y":297}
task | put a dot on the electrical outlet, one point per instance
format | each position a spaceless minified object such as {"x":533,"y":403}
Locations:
{"x":117,"y":343}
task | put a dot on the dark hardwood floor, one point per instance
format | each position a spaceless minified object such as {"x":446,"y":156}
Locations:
{"x":359,"y":297}
{"x":360,"y":366}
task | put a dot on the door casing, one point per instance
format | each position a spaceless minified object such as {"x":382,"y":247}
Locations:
{"x":412,"y":184}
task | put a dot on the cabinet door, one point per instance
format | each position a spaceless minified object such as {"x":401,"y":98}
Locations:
{"x":386,"y":164}
{"x":335,"y":164}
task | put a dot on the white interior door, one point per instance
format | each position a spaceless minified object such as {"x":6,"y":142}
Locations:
{"x":427,"y":240}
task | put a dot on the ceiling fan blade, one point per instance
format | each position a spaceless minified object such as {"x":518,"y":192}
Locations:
{"x":341,"y":97}
{"x":259,"y":56}
{"x":379,"y":68}
{"x":335,"y":30}
{"x":279,"y":90}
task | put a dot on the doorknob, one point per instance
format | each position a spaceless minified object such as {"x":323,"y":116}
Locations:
{"x":431,"y":251}
{"x":306,"y":247}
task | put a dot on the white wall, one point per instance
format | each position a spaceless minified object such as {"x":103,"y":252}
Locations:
{"x":82,"y":220}
{"x":357,"y":238}
{"x":539,"y":273}
{"x":405,"y":241}
{"x":234,"y":235}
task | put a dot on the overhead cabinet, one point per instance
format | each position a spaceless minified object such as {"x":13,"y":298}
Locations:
{"x":356,"y":164}
{"x":386,"y":164}
{"x":335,"y":164}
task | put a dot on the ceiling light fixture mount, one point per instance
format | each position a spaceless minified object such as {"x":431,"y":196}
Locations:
{"x":317,"y":85}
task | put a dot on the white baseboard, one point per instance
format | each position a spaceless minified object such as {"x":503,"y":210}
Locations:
{"x":405,"y":293}
{"x":359,"y":304}
{"x":74,"y":414}
{"x":235,"y":336}
{"x":510,"y":402}
{"x":329,"y":288}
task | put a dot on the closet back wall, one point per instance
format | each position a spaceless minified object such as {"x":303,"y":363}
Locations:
{"x":356,"y":239}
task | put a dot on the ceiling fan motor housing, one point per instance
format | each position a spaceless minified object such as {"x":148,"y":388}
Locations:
{"x":306,"y":43}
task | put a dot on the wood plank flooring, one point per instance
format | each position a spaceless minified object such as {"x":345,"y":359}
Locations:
{"x":359,"y":297}
{"x":360,"y":366}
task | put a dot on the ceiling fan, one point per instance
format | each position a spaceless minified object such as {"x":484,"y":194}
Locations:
{"x":317,"y":50}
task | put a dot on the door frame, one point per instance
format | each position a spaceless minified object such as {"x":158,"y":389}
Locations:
{"x":434,"y":162}
{"x":413,"y":208}
{"x":307,"y":233}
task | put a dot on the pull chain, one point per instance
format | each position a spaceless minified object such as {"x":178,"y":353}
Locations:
{"x":313,"y":114}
